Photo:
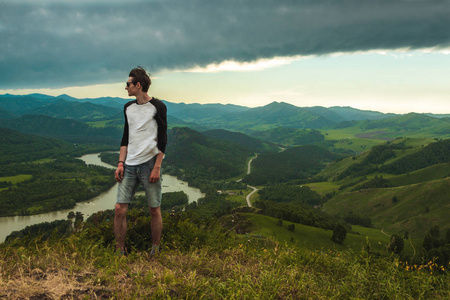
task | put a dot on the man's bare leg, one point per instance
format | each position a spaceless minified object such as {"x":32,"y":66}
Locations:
{"x":156,"y":225}
{"x":120,"y":225}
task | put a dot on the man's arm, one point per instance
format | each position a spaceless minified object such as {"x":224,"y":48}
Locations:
{"x":118,"y":175}
{"x":156,"y":172}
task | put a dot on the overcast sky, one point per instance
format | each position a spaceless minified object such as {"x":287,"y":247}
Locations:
{"x":384,"y":55}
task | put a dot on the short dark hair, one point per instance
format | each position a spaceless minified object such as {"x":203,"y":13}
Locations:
{"x":139,"y":74}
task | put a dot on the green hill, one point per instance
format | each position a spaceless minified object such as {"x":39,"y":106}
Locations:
{"x":289,"y":136}
{"x":85,"y":112}
{"x":254,"y":144}
{"x":399,"y":156}
{"x":194,"y":112}
{"x":19,"y":147}
{"x":413,"y":197}
{"x":65,"y":129}
{"x":272,"y":115}
{"x":414,"y":208}
{"x":434,"y":153}
{"x":349,"y":114}
{"x":312,"y":238}
{"x":410,"y":125}
{"x":21,"y":105}
{"x":4,"y":114}
{"x":196,"y":156}
{"x":295,"y":164}
{"x":433,"y":172}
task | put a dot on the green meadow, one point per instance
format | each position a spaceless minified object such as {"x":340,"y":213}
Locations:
{"x":415,"y":208}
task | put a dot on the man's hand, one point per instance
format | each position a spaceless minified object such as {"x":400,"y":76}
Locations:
{"x":118,"y":175}
{"x":154,"y":176}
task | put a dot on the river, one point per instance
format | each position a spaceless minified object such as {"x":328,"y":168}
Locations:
{"x":104,"y":201}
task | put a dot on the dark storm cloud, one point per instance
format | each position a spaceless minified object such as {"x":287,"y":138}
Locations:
{"x":59,"y":43}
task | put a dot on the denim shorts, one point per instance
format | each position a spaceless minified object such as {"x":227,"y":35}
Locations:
{"x":132,"y":177}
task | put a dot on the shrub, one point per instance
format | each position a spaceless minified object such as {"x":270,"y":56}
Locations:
{"x":339,"y":234}
{"x":396,"y":244}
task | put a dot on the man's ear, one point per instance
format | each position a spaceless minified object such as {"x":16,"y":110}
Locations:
{"x":138,"y":85}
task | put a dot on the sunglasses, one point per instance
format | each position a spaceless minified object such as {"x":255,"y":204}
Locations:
{"x":129,"y":83}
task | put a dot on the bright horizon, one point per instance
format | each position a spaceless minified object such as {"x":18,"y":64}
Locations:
{"x":381,"y":58}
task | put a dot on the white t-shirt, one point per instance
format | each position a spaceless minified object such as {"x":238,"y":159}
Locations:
{"x":145,"y":131}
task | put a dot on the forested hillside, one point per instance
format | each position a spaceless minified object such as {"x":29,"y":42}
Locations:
{"x":412,"y":208}
{"x":434,"y":153}
{"x":21,"y":105}
{"x":85,"y":112}
{"x":289,"y":136}
{"x":401,"y":185}
{"x":16,"y":147}
{"x":295,"y":165}
{"x":198,"y":157}
{"x":410,"y":124}
{"x":257,"y":145}
{"x":395,"y":157}
{"x":65,"y":129}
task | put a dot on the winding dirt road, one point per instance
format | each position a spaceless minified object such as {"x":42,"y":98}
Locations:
{"x":249,"y":203}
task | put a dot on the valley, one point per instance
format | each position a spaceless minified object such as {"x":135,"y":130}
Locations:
{"x":336,"y":184}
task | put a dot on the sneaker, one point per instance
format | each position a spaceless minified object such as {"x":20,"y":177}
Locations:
{"x":155,"y":250}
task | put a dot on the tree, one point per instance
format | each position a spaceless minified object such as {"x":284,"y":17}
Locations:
{"x":70,"y":215}
{"x":447,"y":236}
{"x":339,"y":234}
{"x":291,"y":227}
{"x":396,"y":244}
{"x":431,"y":240}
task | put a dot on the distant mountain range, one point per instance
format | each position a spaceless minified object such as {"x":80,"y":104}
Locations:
{"x":107,"y":111}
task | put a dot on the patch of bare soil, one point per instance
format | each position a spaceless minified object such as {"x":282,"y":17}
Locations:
{"x":376,"y":135}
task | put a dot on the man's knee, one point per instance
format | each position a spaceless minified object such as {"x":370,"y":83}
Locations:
{"x":155,"y":211}
{"x":121,"y":209}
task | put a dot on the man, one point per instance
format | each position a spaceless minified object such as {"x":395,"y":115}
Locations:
{"x":141,"y":153}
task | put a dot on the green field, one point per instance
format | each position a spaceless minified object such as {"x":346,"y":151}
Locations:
{"x":324,"y":187}
{"x":426,"y":174}
{"x":16,"y":179}
{"x":418,"y":206}
{"x":320,"y":239}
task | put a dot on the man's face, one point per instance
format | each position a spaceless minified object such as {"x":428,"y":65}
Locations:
{"x":130,"y":87}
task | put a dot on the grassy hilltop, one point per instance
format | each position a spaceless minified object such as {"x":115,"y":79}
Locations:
{"x":202,"y":260}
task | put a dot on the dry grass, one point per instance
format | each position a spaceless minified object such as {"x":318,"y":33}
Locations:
{"x":250,"y":270}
